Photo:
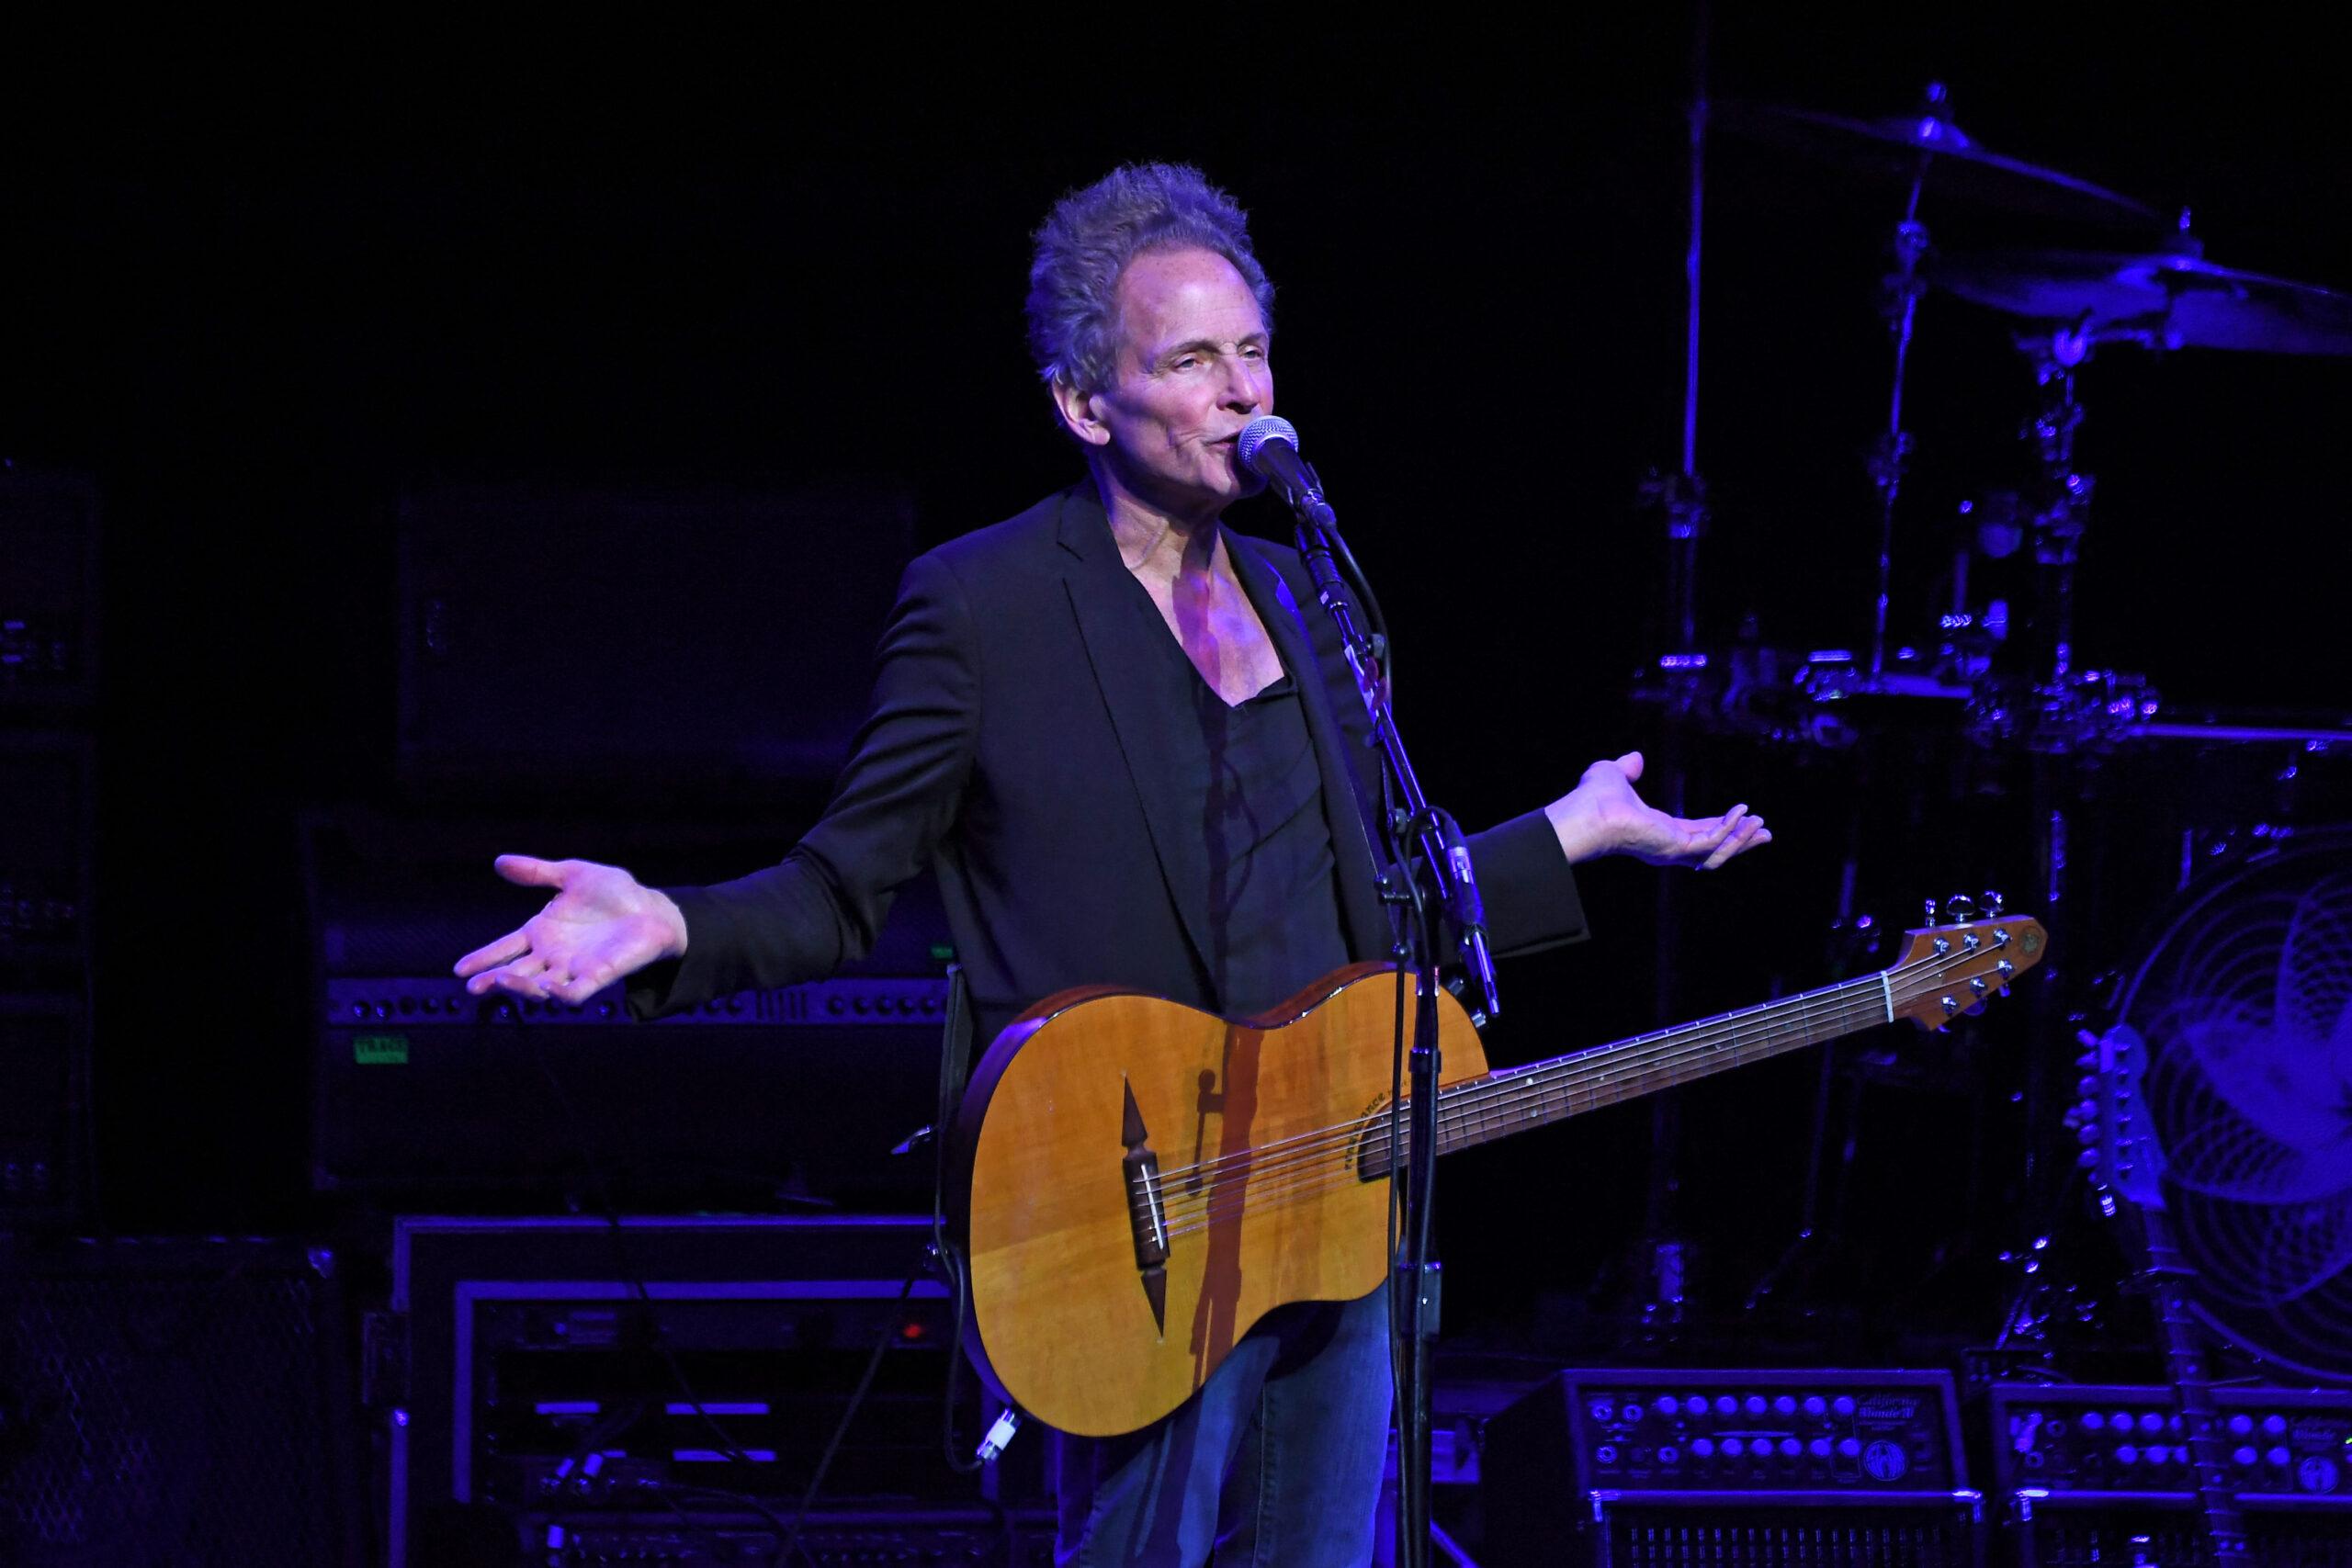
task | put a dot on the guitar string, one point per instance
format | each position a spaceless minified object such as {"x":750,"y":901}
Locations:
{"x":1476,"y":1112}
{"x":1299,"y":1178}
{"x":1500,"y":1104}
{"x":1292,"y":1181}
{"x":1661,"y":1047}
{"x":1670,"y":1040}
{"x":1494,"y":1099}
{"x":1496,"y":1095}
{"x":1673,"y":1044}
{"x":1645,"y":1049}
{"x":1336,"y":1166}
{"x":1501,"y":1098}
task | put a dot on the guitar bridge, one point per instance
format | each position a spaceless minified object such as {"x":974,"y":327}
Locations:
{"x":1146,"y":1210}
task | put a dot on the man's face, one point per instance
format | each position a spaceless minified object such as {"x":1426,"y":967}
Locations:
{"x":1192,"y":370}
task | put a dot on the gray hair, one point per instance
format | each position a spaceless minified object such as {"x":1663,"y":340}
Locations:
{"x":1090,"y":238}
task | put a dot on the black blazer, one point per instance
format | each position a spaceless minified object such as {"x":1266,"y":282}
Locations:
{"x":1012,"y":740}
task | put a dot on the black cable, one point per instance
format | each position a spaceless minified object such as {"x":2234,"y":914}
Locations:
{"x":1381,"y":644}
{"x":841,"y":1428}
{"x":960,"y":1295}
{"x":954,"y":1055}
{"x":593,"y":1173}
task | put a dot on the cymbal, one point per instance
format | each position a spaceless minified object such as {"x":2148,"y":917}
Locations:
{"x":2164,"y":298}
{"x":1958,"y":165}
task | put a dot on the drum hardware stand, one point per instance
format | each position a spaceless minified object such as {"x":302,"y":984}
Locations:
{"x":1838,"y":1120}
{"x":2058,"y":522}
{"x":1903,"y":290}
{"x":1683,"y":497}
{"x":1680,"y":500}
{"x":1664,"y":1251}
{"x":1805,"y":1245}
{"x":1850,"y":936}
{"x":2063,"y":722}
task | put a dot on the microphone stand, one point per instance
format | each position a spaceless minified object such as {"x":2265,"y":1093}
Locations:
{"x":1411,"y":822}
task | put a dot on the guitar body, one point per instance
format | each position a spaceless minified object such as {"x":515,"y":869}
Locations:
{"x":1253,"y":1200}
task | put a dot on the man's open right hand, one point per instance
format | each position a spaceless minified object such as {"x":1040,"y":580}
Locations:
{"x":601,"y":925}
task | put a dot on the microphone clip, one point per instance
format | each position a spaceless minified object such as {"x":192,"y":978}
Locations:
{"x":1305,"y":498}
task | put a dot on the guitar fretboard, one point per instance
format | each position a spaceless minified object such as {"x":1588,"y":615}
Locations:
{"x":1521,"y":1099}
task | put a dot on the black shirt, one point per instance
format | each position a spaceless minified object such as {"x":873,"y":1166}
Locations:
{"x":1249,"y":777}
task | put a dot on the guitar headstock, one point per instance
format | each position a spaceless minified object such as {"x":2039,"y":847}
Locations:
{"x":1950,"y":969}
{"x":2123,"y":1155}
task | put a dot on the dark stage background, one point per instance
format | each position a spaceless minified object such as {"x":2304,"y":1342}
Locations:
{"x":261,"y":302}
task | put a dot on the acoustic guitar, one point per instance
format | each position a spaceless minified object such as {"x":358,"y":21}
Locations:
{"x":1148,"y":1180}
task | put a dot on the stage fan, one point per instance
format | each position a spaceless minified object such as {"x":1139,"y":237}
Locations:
{"x":2227,"y":1078}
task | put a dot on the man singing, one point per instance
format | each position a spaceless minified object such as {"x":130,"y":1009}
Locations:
{"x":1126,"y":740}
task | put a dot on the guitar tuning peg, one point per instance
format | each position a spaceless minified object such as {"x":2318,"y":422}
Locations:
{"x":2087,"y":1159}
{"x":1958,"y":909}
{"x":1932,"y":917}
{"x":1993,"y":904}
{"x":2086,"y":1088}
{"x":2088,"y":1060}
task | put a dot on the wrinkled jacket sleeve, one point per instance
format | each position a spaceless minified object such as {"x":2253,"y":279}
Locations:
{"x":1527,"y":887}
{"x":895,"y":799}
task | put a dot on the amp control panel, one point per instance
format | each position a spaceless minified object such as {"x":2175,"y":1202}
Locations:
{"x":2083,"y":1439}
{"x":423,"y":1002}
{"x":1750,"y":1430}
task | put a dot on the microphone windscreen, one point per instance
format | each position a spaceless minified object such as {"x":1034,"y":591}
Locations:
{"x":1257,"y":432}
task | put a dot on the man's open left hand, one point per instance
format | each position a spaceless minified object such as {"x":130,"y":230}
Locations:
{"x":1603,"y":815}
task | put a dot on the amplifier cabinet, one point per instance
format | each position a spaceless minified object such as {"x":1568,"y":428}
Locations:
{"x":47,"y":829}
{"x":567,"y":1373}
{"x":181,"y":1400}
{"x":731,"y":681}
{"x":428,"y":1094}
{"x":429,"y":1099}
{"x":44,"y":1108}
{"x":2167,"y":1531}
{"x":49,"y":596}
{"x":2085,"y":1469}
{"x":1616,"y":1466}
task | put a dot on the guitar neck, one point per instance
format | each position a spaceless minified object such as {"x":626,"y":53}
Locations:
{"x":2166,"y":1277}
{"x":2131,"y":1163}
{"x":1521,"y":1099}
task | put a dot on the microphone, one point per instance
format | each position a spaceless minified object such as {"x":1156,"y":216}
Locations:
{"x":1268,"y":446}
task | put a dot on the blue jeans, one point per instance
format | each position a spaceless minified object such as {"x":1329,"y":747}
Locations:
{"x":1276,"y":1462}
